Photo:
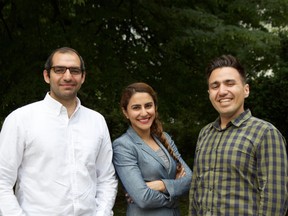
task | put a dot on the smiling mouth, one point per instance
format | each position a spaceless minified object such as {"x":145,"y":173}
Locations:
{"x":146,"y":120}
{"x":67,"y":85}
{"x":224,"y":100}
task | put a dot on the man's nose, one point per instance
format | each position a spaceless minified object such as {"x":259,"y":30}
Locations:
{"x":222,"y":89}
{"x":67,"y":74}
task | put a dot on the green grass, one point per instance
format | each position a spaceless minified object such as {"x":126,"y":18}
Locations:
{"x":120,"y":204}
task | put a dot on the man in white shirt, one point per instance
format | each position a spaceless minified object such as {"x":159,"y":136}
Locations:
{"x":57,"y":151}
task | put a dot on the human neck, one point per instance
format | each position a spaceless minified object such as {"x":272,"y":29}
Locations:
{"x":149,"y":140}
{"x":69,"y":104}
{"x":145,"y":135}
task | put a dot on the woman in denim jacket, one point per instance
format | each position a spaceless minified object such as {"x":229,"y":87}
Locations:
{"x":146,"y":159}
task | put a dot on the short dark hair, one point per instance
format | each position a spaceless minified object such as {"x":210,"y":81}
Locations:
{"x":49,"y":63}
{"x":226,"y":61}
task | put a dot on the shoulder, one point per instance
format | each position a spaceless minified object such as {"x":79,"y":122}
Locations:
{"x":91,"y":114}
{"x":129,"y":139}
{"x":207,"y":128}
{"x":258,"y":121}
{"x":30,"y":106}
{"x":168,"y":136}
{"x":261,"y":126}
{"x":171,"y":141}
{"x":23,"y":115}
{"x":25,"y":110}
{"x":125,"y":145}
{"x":124,"y":138}
{"x":90,"y":111}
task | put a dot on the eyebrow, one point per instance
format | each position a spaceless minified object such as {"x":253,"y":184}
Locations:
{"x":135,"y":105}
{"x":229,"y":80}
{"x":225,"y":81}
{"x":149,"y":103}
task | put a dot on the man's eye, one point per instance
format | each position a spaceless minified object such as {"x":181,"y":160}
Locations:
{"x":59,"y":70}
{"x":75,"y":70}
{"x":214,"y":86}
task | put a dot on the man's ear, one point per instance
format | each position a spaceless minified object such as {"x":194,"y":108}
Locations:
{"x":83,"y":77}
{"x":46,"y":76}
{"x":246,"y":90}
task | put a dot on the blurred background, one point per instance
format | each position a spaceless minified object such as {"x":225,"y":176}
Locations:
{"x":166,"y":43}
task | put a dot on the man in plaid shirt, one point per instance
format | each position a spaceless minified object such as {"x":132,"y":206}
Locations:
{"x":240,"y":165}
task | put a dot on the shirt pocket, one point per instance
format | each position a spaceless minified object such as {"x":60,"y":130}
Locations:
{"x":86,"y":150}
{"x":238,"y":153}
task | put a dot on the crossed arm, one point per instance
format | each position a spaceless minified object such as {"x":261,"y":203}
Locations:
{"x":159,"y":185}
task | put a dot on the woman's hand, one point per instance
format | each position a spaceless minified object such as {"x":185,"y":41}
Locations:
{"x":157,"y":185}
{"x":180,"y":171}
{"x":154,"y":185}
{"x":128,"y":198}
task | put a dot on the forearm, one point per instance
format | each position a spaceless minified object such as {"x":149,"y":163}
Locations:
{"x":8,"y":202}
{"x":180,"y":186}
{"x":105,"y":197}
{"x":157,"y":185}
{"x":144,"y":196}
{"x":125,"y":161}
{"x":272,"y":175}
{"x":107,"y":183}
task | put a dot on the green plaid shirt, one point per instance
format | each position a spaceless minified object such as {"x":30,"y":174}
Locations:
{"x":240,"y":170}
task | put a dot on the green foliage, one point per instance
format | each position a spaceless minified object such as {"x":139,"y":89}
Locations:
{"x":164,"y":43}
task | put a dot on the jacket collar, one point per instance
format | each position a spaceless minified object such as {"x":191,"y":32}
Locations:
{"x":139,"y":141}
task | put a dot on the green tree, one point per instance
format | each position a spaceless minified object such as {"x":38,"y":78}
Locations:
{"x":164,"y":43}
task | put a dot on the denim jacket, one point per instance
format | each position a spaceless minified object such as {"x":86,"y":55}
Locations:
{"x":136,"y":163}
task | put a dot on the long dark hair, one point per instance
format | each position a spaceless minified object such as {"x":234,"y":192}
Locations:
{"x":156,"y":127}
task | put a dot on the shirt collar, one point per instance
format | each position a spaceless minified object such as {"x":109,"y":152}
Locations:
{"x":236,"y":122}
{"x":56,"y":106}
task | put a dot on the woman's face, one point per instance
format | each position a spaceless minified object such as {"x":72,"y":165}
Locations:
{"x":141,"y":112}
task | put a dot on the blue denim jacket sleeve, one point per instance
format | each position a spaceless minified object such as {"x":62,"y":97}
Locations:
{"x":136,"y":164}
{"x":178,"y":187}
{"x":126,"y":165}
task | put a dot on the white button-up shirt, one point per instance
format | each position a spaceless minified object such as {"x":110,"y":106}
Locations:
{"x":62,"y":166}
